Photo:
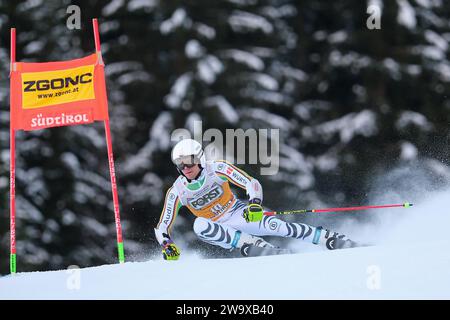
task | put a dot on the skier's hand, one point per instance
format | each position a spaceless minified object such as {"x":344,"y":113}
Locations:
{"x":253,"y":213}
{"x":170,"y":251}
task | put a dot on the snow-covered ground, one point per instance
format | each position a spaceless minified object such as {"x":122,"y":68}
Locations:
{"x":399,"y":272}
{"x":411,"y":261}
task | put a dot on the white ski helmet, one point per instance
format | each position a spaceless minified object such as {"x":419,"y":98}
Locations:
{"x":188,"y":151}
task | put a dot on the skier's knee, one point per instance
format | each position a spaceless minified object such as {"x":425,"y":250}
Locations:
{"x":272,"y":225}
{"x":200,"y":225}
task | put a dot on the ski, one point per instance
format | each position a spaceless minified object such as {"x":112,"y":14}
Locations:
{"x":337,"y":243}
{"x":248,"y":250}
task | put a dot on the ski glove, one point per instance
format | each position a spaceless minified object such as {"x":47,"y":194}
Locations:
{"x":253,"y":213}
{"x":170,"y":251}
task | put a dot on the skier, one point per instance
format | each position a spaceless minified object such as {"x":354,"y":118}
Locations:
{"x":222,"y":218}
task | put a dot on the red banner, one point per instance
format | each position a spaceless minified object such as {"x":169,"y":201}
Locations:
{"x":56,"y":94}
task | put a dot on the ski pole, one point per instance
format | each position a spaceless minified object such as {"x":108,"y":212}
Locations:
{"x":273,"y":213}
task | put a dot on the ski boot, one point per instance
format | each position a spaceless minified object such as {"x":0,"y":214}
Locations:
{"x":333,"y":241}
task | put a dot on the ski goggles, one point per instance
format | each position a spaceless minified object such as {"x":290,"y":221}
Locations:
{"x":186,"y":162}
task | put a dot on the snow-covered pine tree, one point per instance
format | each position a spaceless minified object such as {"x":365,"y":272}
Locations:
{"x":375,"y":98}
{"x":63,"y":194}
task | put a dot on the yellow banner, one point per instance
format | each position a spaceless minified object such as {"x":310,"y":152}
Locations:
{"x":42,"y":89}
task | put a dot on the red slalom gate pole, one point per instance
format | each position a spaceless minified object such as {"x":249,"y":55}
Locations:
{"x":112,"y":170}
{"x":300,"y":211}
{"x":12,"y":172}
{"x":112,"y":173}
